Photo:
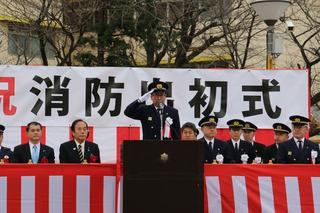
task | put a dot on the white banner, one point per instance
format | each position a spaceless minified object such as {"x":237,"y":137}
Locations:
{"x":55,"y":96}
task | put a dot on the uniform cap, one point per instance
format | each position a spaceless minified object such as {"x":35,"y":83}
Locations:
{"x":235,"y":123}
{"x":158,"y":86}
{"x":249,"y":126}
{"x":299,"y":120}
{"x":208,"y":121}
{"x":280,"y":127}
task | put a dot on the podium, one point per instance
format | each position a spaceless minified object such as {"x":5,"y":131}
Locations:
{"x":163,"y":176}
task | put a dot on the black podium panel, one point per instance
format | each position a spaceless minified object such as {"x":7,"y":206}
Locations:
{"x":163,"y":176}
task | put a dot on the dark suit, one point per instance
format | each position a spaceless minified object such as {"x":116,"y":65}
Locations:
{"x":21,"y":154}
{"x":233,"y":156}
{"x":4,"y":151}
{"x":150,"y":119}
{"x":210,"y":155}
{"x":69,"y":152}
{"x":258,"y":149}
{"x":270,"y":153}
{"x":288,"y":152}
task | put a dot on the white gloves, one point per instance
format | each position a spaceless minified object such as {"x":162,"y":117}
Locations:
{"x":244,"y":158}
{"x":145,"y":97}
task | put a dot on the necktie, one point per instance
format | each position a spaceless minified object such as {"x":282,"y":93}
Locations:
{"x":236,"y":146}
{"x":80,"y":153}
{"x":300,"y":145}
{"x":210,"y":146}
{"x":35,"y":155}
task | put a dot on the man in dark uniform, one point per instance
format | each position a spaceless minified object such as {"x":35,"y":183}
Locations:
{"x":298,"y":149}
{"x":212,"y":145}
{"x":79,"y":150}
{"x":6,"y":155}
{"x":236,"y":148}
{"x":281,"y":134}
{"x":189,"y":132}
{"x":33,"y":151}
{"x":249,"y":133}
{"x":151,"y":116}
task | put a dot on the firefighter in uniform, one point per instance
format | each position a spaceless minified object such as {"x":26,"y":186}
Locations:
{"x":212,"y":145}
{"x":150,"y":115}
{"x":298,"y":149}
{"x":281,"y":134}
{"x":249,"y":133}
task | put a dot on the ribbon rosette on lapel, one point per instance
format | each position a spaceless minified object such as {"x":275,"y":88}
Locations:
{"x":6,"y":159}
{"x":44,"y":160}
{"x":93,"y":158}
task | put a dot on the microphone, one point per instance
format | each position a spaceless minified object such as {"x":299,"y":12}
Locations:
{"x":161,"y":106}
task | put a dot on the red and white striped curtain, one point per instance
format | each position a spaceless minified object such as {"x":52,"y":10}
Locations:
{"x":97,"y":188}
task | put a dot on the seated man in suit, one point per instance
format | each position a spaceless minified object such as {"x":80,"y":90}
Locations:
{"x":79,"y":150}
{"x":236,"y":149}
{"x":212,"y":145}
{"x":153,"y":115}
{"x":249,"y":133}
{"x":33,"y":151}
{"x":298,"y":150}
{"x":281,"y":134}
{"x":6,"y":155}
{"x":189,"y":131}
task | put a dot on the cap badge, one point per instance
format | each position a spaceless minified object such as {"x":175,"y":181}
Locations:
{"x":297,"y":120}
{"x":236,"y":123}
{"x":279,"y":127}
{"x":159,"y":86}
{"x":211,"y":120}
{"x":247,"y":125}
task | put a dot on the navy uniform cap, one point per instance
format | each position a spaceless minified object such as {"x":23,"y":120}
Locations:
{"x":158,"y":86}
{"x":249,"y":126}
{"x":2,"y":128}
{"x":208,"y":121}
{"x":235,"y":123}
{"x":299,"y":120}
{"x":280,"y":127}
{"x":191,"y":126}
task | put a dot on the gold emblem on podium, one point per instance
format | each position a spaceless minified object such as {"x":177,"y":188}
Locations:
{"x":164,"y":157}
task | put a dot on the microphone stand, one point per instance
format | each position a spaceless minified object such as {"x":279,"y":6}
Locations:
{"x":161,"y":124}
{"x":161,"y":120}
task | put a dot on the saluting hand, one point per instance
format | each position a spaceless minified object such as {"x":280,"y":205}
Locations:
{"x":145,"y":97}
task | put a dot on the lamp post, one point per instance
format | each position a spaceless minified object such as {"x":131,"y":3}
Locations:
{"x":270,"y":11}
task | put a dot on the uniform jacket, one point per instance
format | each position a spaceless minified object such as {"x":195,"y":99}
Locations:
{"x":210,"y":155}
{"x":270,"y":153}
{"x":69,"y":152}
{"x":150,"y":119}
{"x":288,"y":152}
{"x":258,"y":149}
{"x":21,"y":154}
{"x":233,"y":156}
{"x":6,"y":152}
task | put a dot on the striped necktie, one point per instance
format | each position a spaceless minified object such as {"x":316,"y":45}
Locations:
{"x":80,"y":153}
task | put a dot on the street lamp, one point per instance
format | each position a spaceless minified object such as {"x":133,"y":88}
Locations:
{"x":270,"y":11}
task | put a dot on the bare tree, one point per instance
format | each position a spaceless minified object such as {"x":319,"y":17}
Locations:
{"x":306,"y":15}
{"x":57,"y":25}
{"x":240,"y":31}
